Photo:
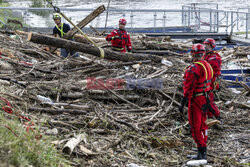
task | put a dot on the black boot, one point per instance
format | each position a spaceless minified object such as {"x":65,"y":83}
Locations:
{"x":204,"y":153}
{"x":200,"y":153}
{"x":198,"y":156}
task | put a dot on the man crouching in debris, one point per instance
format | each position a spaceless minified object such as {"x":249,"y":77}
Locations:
{"x":197,"y":82}
{"x":61,"y":29}
{"x":119,"y":38}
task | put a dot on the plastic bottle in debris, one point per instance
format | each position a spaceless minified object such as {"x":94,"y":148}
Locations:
{"x":44,"y":99}
{"x":166,"y":62}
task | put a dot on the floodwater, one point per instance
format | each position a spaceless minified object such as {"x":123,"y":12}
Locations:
{"x":134,"y":19}
{"x":140,"y":4}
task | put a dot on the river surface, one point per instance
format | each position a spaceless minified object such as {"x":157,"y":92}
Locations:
{"x":137,"y":19}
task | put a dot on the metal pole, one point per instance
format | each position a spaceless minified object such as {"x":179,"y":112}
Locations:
{"x":188,"y":16}
{"x":215,"y":19}
{"x":155,"y":15}
{"x":182,"y":15}
{"x":192,"y":14}
{"x":199,"y":18}
{"x":131,"y":20}
{"x":164,"y":21}
{"x":237,"y":21}
{"x":218,"y":24}
{"x":210,"y":21}
{"x":232,"y":22}
{"x":185,"y":16}
{"x":227,"y":22}
{"x":217,"y":8}
{"x":247,"y":15}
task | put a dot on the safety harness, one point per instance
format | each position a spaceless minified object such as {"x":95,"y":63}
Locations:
{"x":61,"y":30}
{"x":205,"y":85}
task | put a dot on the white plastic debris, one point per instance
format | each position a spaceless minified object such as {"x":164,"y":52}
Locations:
{"x":248,"y":101}
{"x":44,"y":99}
{"x":133,"y":165}
{"x":166,"y":62}
{"x":14,"y":37}
{"x":126,"y":68}
{"x":136,"y":66}
{"x":53,"y":131}
{"x":196,"y":162}
{"x":227,"y":103}
{"x":33,"y":61}
{"x":235,"y":91}
{"x":248,"y":57}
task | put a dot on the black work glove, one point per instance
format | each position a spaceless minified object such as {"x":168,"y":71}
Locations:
{"x":130,"y":51}
{"x":183,"y":103}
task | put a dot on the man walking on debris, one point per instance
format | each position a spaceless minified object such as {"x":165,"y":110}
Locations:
{"x":214,"y":59}
{"x":119,"y":38}
{"x":197,"y":82}
{"x":61,"y":29}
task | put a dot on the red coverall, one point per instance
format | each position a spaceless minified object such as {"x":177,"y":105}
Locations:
{"x":214,"y":59}
{"x":194,"y":88}
{"x":122,"y":40}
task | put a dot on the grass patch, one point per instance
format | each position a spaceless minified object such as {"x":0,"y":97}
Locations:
{"x":24,"y":149}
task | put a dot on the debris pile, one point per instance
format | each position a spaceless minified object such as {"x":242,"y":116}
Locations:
{"x":113,"y":113}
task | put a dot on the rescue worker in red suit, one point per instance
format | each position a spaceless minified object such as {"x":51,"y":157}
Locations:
{"x":214,"y":59}
{"x":119,"y":38}
{"x":196,"y":85}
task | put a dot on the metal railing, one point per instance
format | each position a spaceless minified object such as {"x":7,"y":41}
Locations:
{"x":196,"y":18}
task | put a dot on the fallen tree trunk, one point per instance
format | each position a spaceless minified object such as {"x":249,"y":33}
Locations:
{"x":71,"y":45}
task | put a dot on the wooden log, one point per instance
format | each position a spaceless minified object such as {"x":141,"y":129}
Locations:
{"x":82,"y":39}
{"x":60,"y":111}
{"x":85,"y":21}
{"x":243,"y":53}
{"x":86,"y":151}
{"x":158,"y":52}
{"x":134,"y":110}
{"x":71,"y":45}
{"x":72,"y":143}
{"x":72,"y":106}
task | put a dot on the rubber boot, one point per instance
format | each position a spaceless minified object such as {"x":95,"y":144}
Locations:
{"x":198,"y":156}
{"x":204,"y":153}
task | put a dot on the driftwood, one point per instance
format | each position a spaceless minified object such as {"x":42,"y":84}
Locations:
{"x":158,"y":52}
{"x":72,"y":143}
{"x":85,"y":21}
{"x":153,"y":127}
{"x":58,"y":111}
{"x":72,"y":106}
{"x":71,"y":45}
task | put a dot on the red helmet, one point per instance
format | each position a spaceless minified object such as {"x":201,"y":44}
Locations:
{"x":122,"y":21}
{"x":198,"y":49}
{"x":210,"y":41}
